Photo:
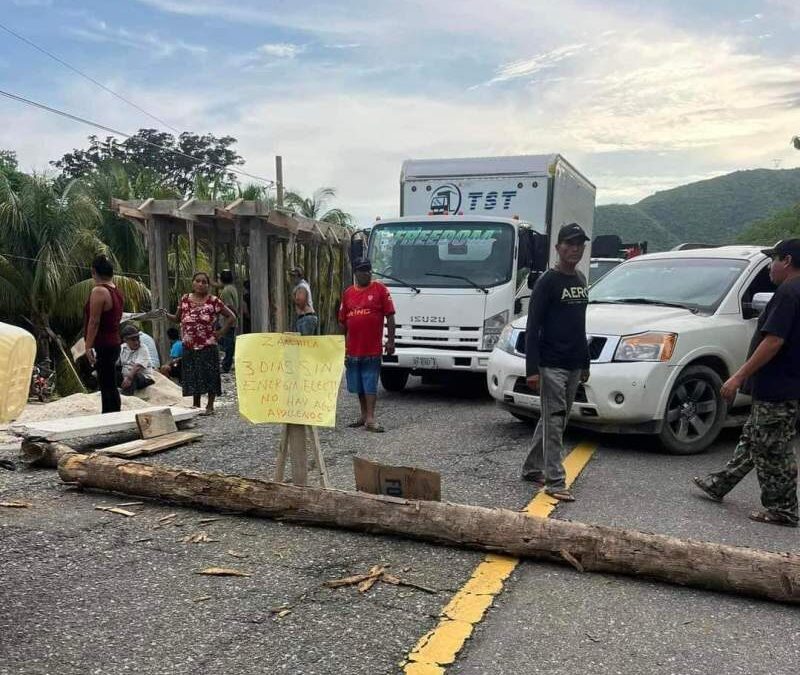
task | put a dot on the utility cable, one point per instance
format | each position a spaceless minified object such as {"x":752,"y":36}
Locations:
{"x":85,"y":76}
{"x":82,"y":120}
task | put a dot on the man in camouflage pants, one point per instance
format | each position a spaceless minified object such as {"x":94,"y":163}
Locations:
{"x":772,"y":372}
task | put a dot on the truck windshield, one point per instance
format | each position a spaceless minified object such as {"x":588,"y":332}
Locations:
{"x":481,"y":252}
{"x":699,"y":284}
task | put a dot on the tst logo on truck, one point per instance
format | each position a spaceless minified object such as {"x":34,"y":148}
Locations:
{"x":447,"y":199}
{"x":487,"y":201}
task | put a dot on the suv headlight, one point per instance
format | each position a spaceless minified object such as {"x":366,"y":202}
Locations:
{"x":492,"y":328}
{"x":652,"y":346}
{"x":507,"y":339}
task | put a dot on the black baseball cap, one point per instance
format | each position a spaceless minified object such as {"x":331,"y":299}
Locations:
{"x":362,"y":264}
{"x":572,"y":231}
{"x":783,"y":248}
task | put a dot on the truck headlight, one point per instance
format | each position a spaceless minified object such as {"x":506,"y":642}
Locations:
{"x":652,"y":346}
{"x":492,"y":328}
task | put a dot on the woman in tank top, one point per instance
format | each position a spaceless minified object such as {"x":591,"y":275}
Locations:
{"x":102,"y":315}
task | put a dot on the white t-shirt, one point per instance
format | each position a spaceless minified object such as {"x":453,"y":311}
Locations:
{"x":304,"y":284}
{"x":150,"y":343}
{"x":129,"y":358}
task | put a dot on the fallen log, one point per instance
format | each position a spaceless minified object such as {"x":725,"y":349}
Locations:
{"x":43,"y":453}
{"x":593,"y":547}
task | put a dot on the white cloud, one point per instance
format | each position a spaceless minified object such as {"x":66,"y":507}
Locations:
{"x":282,"y":50}
{"x":535,"y":64}
{"x":153,"y":43}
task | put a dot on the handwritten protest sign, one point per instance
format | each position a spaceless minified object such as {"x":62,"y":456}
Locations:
{"x":289,"y":379}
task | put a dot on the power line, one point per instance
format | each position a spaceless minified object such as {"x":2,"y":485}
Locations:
{"x":82,"y":120}
{"x":85,"y":76}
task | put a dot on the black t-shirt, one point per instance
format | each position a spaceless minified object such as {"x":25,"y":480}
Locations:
{"x":556,"y":332}
{"x":779,"y":379}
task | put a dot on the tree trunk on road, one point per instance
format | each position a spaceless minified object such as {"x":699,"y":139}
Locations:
{"x":586,"y":547}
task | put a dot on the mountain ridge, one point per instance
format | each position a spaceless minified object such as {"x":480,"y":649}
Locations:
{"x":714,"y":210}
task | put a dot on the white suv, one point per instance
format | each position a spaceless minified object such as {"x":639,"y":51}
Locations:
{"x":664,"y":330}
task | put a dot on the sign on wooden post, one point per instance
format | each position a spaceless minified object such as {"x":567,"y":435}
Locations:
{"x":293,"y":380}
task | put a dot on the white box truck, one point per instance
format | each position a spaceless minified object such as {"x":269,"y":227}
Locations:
{"x":472,"y":235}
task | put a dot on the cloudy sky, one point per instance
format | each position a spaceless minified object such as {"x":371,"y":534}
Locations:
{"x":640,"y":95}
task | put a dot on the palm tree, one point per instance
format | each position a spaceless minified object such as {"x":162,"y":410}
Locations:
{"x":47,"y":238}
{"x":114,"y":180}
{"x":314,"y":207}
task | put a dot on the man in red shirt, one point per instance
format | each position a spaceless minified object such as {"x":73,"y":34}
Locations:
{"x":365,"y":306}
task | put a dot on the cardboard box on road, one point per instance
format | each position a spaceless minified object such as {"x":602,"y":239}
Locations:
{"x":397,"y":481}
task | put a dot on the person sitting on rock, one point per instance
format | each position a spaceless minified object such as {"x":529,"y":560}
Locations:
{"x":135,"y":362}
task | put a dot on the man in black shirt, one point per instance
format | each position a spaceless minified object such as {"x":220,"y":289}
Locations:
{"x":556,"y":358}
{"x":772,"y":375}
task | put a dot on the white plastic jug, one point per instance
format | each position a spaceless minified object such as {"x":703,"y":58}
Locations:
{"x":17,"y":354}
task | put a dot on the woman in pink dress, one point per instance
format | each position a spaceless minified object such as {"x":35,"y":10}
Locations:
{"x":197,"y":313}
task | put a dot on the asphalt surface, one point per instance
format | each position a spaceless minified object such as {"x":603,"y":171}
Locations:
{"x":87,"y":591}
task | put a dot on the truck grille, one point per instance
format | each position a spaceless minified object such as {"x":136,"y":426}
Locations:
{"x":460,"y":338}
{"x":596,"y":344}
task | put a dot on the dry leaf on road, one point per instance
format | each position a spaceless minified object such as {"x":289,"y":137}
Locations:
{"x":223,"y":572}
{"x":15,"y":505}
{"x":114,"y":509}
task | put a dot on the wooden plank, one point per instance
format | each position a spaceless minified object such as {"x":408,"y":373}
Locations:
{"x":280,"y":463}
{"x":143,"y":446}
{"x":192,"y":244}
{"x":156,"y":423}
{"x":92,"y":425}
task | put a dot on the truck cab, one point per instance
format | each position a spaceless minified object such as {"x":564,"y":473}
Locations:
{"x":472,"y":235}
{"x":454,"y":280}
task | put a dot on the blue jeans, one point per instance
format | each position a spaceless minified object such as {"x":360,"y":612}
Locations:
{"x":362,"y":374}
{"x":306,"y":324}
{"x":227,"y":343}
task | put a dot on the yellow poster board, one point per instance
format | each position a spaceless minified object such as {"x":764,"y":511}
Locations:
{"x":289,"y":379}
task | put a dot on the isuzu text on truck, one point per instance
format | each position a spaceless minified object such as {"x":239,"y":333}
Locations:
{"x":472,"y":235}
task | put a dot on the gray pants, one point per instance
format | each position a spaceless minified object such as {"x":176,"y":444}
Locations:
{"x":557,"y":388}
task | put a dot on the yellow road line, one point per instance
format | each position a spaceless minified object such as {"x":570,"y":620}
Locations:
{"x":439,"y":647}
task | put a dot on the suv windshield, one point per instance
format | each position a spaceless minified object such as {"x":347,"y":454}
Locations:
{"x":481,"y":253}
{"x":699,"y":284}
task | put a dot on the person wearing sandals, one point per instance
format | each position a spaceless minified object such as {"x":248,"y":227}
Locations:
{"x":365,"y":307}
{"x":771,"y":375}
{"x":197,"y":314}
{"x":556,"y":359}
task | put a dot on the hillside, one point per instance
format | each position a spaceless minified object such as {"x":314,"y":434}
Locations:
{"x":714,"y":211}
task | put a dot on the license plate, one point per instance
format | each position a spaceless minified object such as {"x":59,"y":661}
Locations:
{"x":423,"y":362}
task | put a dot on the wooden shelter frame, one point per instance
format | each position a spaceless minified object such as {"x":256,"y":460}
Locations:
{"x":253,"y":235}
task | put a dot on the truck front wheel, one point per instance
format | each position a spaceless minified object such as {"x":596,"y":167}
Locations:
{"x":394,"y":379}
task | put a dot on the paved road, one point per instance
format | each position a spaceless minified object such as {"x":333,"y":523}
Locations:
{"x":85,"y":591}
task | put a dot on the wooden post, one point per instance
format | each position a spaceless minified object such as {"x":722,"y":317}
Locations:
{"x":279,"y":181}
{"x":157,"y":243}
{"x":192,"y":245}
{"x":214,"y":260}
{"x":276,"y":284}
{"x":588,"y":548}
{"x":259,"y":277}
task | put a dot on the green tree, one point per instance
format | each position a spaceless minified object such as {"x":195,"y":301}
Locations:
{"x":160,"y":153}
{"x":783,"y":225}
{"x":47,"y":238}
{"x":316,"y":206}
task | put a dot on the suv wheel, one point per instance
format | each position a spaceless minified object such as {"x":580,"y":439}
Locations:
{"x":394,"y":379}
{"x":695,"y":412}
